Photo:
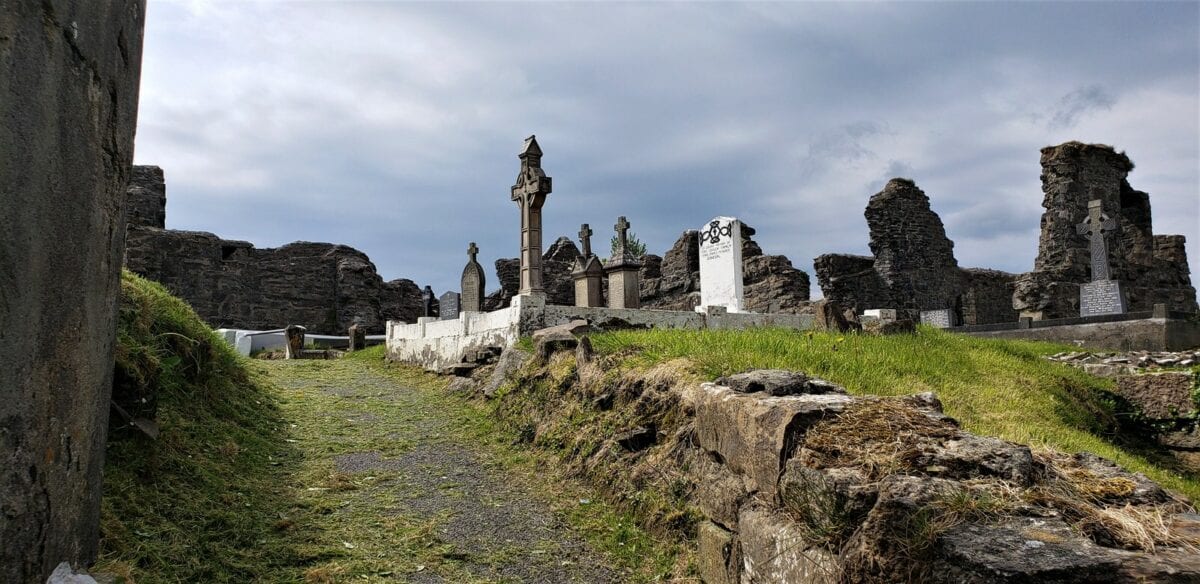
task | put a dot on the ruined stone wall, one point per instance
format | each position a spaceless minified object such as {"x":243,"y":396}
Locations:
{"x":147,"y":198}
{"x":913,"y":266}
{"x":1072,"y":175}
{"x":232,"y":284}
{"x":69,"y":73}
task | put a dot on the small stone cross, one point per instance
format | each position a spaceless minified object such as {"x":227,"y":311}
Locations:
{"x":585,"y":237}
{"x":622,"y":228}
{"x":1095,"y":228}
{"x":472,"y":251}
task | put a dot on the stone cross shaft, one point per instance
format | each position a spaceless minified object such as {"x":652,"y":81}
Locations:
{"x":585,"y":238}
{"x":622,"y":228}
{"x":529,"y":193}
{"x":1095,"y":228}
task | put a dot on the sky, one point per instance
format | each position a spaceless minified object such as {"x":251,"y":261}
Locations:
{"x":395,"y":127}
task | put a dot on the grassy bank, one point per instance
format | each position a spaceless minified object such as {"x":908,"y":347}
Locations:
{"x":993,"y":387}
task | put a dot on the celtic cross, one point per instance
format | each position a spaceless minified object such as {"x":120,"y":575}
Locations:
{"x":1095,"y":228}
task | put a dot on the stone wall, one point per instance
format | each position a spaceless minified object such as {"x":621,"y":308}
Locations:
{"x":1152,"y":269}
{"x":913,"y":266}
{"x":69,"y":74}
{"x":231,"y":284}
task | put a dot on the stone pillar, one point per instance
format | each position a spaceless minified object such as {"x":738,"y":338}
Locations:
{"x":294,"y":337}
{"x":587,"y":273}
{"x":69,"y":74}
{"x":473,"y":282}
{"x":624,"y":285}
{"x":358,"y":338}
{"x":530,"y":193}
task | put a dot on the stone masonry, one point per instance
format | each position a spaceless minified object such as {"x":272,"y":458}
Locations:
{"x":69,"y":74}
{"x":913,"y":266}
{"x":322,"y":286}
{"x":1151,"y":268}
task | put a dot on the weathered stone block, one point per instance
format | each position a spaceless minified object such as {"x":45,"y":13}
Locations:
{"x":1160,"y":395}
{"x":754,"y":434}
{"x":717,"y":554}
{"x":776,"y":549}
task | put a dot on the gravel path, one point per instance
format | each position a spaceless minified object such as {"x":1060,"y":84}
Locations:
{"x":497,"y":529}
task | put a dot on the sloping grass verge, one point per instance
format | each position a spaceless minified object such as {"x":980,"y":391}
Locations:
{"x":204,"y":501}
{"x":993,"y":387}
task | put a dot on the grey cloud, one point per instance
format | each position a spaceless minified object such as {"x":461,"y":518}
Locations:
{"x":1074,"y":105}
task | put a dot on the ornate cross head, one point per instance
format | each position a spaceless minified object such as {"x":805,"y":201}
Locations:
{"x":585,"y":237}
{"x":472,"y":251}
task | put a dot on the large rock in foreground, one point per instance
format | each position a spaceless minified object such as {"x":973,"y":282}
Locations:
{"x":69,"y":73}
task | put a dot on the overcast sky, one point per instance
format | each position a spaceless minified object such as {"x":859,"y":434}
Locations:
{"x":394,"y":127}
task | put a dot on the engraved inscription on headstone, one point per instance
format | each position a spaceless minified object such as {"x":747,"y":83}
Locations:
{"x":943,"y":318}
{"x":473,"y":282}
{"x":448,"y":306}
{"x":1100,"y":298}
{"x":721,"y":264}
{"x":1102,"y":295}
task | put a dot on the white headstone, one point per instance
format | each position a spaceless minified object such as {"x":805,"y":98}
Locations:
{"x":721,"y":264}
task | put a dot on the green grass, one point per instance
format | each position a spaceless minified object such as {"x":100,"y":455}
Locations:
{"x":200,"y":503}
{"x":993,"y":387}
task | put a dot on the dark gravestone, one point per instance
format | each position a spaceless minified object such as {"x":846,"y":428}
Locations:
{"x":294,"y":335}
{"x":448,"y":305}
{"x":943,"y":318}
{"x":1102,"y":295}
{"x":358,"y":338}
{"x":473,"y":283}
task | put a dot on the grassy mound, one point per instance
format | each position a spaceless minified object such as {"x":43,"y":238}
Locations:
{"x":995,"y":388}
{"x":202,"y":502}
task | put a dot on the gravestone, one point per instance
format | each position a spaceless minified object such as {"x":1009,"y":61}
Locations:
{"x":358,"y":338}
{"x":473,"y":282}
{"x":942,"y":318}
{"x":721,"y":264}
{"x":448,"y":305}
{"x":294,"y":335}
{"x":587,"y":273}
{"x":883,"y":314}
{"x":530,"y":193}
{"x":624,"y":284}
{"x":427,"y":301}
{"x":1102,"y":295}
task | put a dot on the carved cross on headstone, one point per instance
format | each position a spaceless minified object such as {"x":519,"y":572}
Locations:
{"x":1095,"y":228}
{"x":585,"y":238}
{"x":472,"y":251}
{"x":622,"y":228}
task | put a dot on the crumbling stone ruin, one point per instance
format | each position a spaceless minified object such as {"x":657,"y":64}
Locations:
{"x":322,"y":286}
{"x":671,"y":281}
{"x":69,"y":74}
{"x":1151,"y":268}
{"x":912,"y":267}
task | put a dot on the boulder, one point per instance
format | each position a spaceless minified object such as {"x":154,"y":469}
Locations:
{"x":774,"y":548}
{"x":554,"y":342}
{"x":778,"y":382}
{"x":511,"y":361}
{"x":828,"y":316}
{"x":575,"y":328}
{"x":1160,"y":396}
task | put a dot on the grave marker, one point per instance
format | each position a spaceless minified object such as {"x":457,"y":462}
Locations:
{"x":721,"y":264}
{"x":358,"y":338}
{"x":530,"y":193}
{"x":473,"y":282}
{"x":1102,"y":295}
{"x":448,"y":305}
{"x":427,"y":301}
{"x":587,"y":273}
{"x":942,"y":318}
{"x":624,"y":285}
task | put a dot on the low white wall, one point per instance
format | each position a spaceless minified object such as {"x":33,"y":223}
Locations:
{"x":246,"y":342}
{"x":435,"y":344}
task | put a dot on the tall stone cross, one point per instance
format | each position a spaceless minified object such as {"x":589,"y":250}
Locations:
{"x":585,"y":238}
{"x":530,"y":193}
{"x":622,"y":228}
{"x":1095,"y":228}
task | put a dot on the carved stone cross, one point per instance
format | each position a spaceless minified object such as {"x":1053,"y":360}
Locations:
{"x":1095,"y":228}
{"x":472,"y":251}
{"x":529,"y":193}
{"x":585,"y":238}
{"x":622,"y":228}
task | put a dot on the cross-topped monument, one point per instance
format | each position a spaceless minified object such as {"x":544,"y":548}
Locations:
{"x":585,"y":238}
{"x":1103,"y":294}
{"x":530,"y":193}
{"x":473,"y":282}
{"x":624,"y":285}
